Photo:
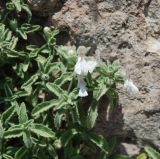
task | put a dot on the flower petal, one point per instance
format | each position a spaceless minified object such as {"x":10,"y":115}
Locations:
{"x":83,"y":66}
{"x":82,"y":87}
{"x":130,"y":87}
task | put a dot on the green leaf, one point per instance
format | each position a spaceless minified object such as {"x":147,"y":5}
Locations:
{"x":92,"y":114}
{"x":42,"y":130}
{"x":52,"y":152}
{"x":25,"y":67}
{"x":7,"y":115}
{"x":27,"y":124}
{"x":31,"y":80}
{"x":112,"y":95}
{"x":99,"y":141}
{"x":17,"y":4}
{"x":20,"y":94}
{"x":118,"y":77}
{"x":100,"y":91}
{"x":55,"y":89}
{"x":142,"y":156}
{"x":29,"y":28}
{"x":13,"y":132}
{"x":1,"y":131}
{"x":44,"y":106}
{"x":112,"y":144}
{"x":5,"y":156}
{"x":13,"y":43}
{"x":103,"y":155}
{"x":67,"y":136}
{"x":152,"y":153}
{"x":10,"y":6}
{"x":28,"y":11}
{"x":50,"y":68}
{"x":20,"y":153}
{"x":75,"y":114}
{"x":122,"y":157}
{"x":22,"y":114}
{"x":27,"y":139}
{"x":58,"y":118}
{"x":7,"y":90}
{"x":22,"y":33}
{"x":65,"y":77}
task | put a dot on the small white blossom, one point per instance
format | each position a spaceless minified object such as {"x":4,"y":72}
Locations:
{"x":82,"y":87}
{"x":47,"y":29}
{"x":130,"y":87}
{"x":83,"y":66}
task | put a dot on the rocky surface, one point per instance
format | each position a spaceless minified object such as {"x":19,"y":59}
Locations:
{"x":120,"y":29}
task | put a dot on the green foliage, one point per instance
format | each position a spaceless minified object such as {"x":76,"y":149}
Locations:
{"x":152,"y":153}
{"x":42,"y":115}
{"x":142,"y":156}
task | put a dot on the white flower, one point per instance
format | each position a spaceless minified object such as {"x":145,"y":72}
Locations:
{"x":130,"y":87}
{"x":82,"y":87}
{"x":83,"y":66}
{"x":47,"y":29}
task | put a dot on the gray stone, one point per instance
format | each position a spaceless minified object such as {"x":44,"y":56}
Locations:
{"x":129,"y":149}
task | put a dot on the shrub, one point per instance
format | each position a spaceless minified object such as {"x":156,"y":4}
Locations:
{"x":49,"y":94}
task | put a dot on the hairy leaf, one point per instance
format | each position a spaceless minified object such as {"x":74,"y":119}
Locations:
{"x":122,"y":157}
{"x":55,"y":89}
{"x":65,"y":77}
{"x":52,"y":152}
{"x":5,"y":156}
{"x":50,"y":68}
{"x":100,"y":91}
{"x":29,"y":13}
{"x":152,"y":153}
{"x":67,"y":136}
{"x":13,"y":132}
{"x":20,"y":153}
{"x":22,"y":114}
{"x":142,"y":156}
{"x":27,"y":139}
{"x":99,"y":141}
{"x":58,"y":118}
{"x":42,"y":130}
{"x":32,"y":80}
{"x":7,"y":115}
{"x":44,"y":106}
{"x":75,"y":114}
{"x":92,"y":114}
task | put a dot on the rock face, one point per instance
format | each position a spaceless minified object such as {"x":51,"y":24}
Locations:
{"x":120,"y":29}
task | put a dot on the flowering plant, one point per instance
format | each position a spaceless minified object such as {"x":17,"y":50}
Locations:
{"x":50,"y":94}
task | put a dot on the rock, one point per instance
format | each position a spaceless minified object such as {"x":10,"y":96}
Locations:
{"x":120,"y":30}
{"x":129,"y":149}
